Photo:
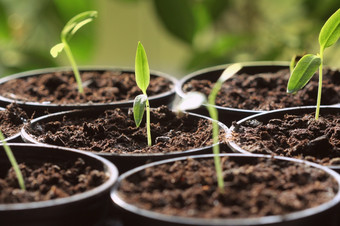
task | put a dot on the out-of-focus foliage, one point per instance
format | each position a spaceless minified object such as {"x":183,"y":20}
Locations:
{"x":28,"y":29}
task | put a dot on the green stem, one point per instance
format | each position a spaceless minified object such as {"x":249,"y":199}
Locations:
{"x":318,"y":103}
{"x":74,"y":66}
{"x":13,"y":161}
{"x":148,"y":129}
{"x":216,"y":148}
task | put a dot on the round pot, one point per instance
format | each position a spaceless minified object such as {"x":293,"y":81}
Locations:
{"x":124,"y":161}
{"x":39,"y":109}
{"x":323,"y":214}
{"x":277,"y":114}
{"x":13,"y":119}
{"x":227,"y":114}
{"x":79,"y":209}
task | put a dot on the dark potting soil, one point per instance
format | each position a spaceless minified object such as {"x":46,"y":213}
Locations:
{"x":61,"y":87}
{"x":298,"y":136}
{"x":267,"y":91}
{"x":12,"y":120}
{"x":49,"y":181}
{"x":114,"y":131}
{"x":252,"y":189}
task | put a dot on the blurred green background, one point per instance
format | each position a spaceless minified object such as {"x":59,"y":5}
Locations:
{"x":180,"y":36}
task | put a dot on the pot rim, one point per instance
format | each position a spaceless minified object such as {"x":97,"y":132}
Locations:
{"x":220,"y":221}
{"x":233,"y":146}
{"x":28,"y":138}
{"x":109,"y":168}
{"x":30,"y":73}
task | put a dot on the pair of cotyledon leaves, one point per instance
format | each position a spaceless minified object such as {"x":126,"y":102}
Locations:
{"x":308,"y":64}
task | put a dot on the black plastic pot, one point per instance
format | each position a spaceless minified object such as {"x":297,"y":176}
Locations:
{"x":80,"y":209}
{"x":228,"y":115}
{"x":16,"y":138}
{"x":39,"y":109}
{"x":123,"y":162}
{"x":266,"y":116}
{"x":324,"y":214}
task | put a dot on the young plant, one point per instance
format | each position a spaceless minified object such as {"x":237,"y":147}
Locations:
{"x":141,"y":101}
{"x":308,"y":64}
{"x":195,"y":99}
{"x":71,"y":27}
{"x":13,"y":161}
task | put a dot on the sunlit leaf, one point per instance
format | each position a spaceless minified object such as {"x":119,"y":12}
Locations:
{"x":58,"y":48}
{"x":330,"y":31}
{"x":303,"y":72}
{"x":229,"y":72}
{"x":138,"y":108}
{"x":142,"y":68}
{"x":192,"y":100}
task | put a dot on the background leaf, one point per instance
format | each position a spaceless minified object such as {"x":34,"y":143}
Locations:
{"x":142,"y":68}
{"x":303,"y":72}
{"x":138,"y":108}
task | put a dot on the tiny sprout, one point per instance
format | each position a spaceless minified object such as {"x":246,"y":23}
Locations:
{"x":308,"y":64}
{"x":71,"y":27}
{"x":13,"y":161}
{"x":195,"y":99}
{"x":142,"y":74}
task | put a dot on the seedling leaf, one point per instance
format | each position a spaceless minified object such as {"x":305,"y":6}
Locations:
{"x":229,"y":72}
{"x":303,"y":72}
{"x":192,"y":100}
{"x":138,"y":108}
{"x":142,"y":68}
{"x":330,"y":32}
{"x":58,"y":48}
{"x":73,"y":25}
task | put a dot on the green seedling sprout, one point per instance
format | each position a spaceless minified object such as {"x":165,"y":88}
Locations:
{"x":195,"y":99}
{"x":141,"y":101}
{"x":71,"y":27}
{"x":308,"y":64}
{"x":13,"y":161}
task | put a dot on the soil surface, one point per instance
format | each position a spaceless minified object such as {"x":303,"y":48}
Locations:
{"x":297,"y":136}
{"x":252,"y":189}
{"x":267,"y":91}
{"x":12,"y":120}
{"x":114,"y":131}
{"x":49,"y":181}
{"x":99,"y":87}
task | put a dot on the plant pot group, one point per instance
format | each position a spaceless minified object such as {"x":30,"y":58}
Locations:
{"x":176,"y":172}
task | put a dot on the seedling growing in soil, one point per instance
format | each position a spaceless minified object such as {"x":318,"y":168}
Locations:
{"x":195,"y":99}
{"x":142,"y":74}
{"x":13,"y":161}
{"x":308,"y":64}
{"x":71,"y":27}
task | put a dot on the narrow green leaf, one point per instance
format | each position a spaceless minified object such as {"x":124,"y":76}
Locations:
{"x":78,"y":21}
{"x":292,"y":64}
{"x":58,"y":48}
{"x":192,"y":100}
{"x":138,"y":108}
{"x":330,"y":32}
{"x":303,"y":72}
{"x":142,"y":69}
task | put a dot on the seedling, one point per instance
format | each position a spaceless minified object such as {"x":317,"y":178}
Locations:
{"x":71,"y":27}
{"x":141,"y":101}
{"x":195,"y":99}
{"x":308,"y":64}
{"x":13,"y":161}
